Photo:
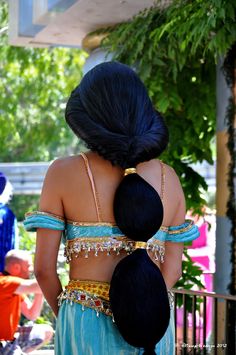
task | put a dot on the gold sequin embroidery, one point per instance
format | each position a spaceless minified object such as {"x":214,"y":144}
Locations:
{"x":108,"y":244}
{"x":91,"y":294}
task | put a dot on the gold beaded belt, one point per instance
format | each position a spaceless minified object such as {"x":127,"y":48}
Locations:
{"x":92,"y":294}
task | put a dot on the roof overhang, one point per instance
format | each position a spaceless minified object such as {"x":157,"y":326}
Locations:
{"x":66,"y":22}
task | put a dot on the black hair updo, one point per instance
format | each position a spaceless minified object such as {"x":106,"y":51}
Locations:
{"x":111,"y":111}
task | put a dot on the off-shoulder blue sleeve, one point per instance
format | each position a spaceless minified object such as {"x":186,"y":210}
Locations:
{"x":185,"y":232}
{"x":34,"y":220}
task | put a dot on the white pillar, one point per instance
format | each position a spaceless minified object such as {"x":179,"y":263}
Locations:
{"x":97,"y":56}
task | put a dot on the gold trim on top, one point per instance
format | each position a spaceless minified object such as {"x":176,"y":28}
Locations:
{"x":163,"y":229}
{"x":108,"y":224}
{"x":182,"y":230}
{"x":40,"y":213}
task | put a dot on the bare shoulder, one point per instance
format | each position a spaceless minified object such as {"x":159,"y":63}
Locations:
{"x":171,"y":174}
{"x":56,"y":183}
{"x":63,"y":163}
{"x":174,"y":190}
{"x":173,"y":184}
{"x":62,"y":167}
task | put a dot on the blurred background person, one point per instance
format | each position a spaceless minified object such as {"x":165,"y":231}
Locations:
{"x":15,"y":284}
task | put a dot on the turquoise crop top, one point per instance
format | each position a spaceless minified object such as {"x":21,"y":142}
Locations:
{"x":98,"y":237}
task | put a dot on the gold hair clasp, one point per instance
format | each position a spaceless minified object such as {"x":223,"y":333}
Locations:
{"x":130,"y":171}
{"x":140,"y":245}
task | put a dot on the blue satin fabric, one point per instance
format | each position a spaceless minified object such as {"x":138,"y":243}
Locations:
{"x":75,"y":231}
{"x":185,"y":232}
{"x":35,"y":220}
{"x":83,"y":333}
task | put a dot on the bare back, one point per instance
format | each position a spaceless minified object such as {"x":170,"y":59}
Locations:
{"x":86,"y":192}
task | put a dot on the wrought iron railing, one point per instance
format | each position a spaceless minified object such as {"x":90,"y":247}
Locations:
{"x":204,"y":322}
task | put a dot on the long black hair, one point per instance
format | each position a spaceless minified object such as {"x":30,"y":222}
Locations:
{"x":112,"y":112}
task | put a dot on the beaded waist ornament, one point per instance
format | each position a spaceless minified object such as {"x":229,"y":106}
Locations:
{"x":109,"y":245}
{"x":91,"y":294}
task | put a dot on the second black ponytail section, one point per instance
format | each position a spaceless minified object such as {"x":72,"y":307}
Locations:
{"x":139,"y":300}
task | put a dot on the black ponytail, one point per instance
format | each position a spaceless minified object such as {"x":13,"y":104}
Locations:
{"x":111,"y":111}
{"x":138,"y":294}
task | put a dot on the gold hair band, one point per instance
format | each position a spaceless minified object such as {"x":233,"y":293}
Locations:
{"x":130,"y":171}
{"x":140,"y":245}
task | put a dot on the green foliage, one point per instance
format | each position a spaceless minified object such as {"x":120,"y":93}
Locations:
{"x":174,"y":50}
{"x":3,"y":22}
{"x":191,"y":276}
{"x":206,"y":25}
{"x":191,"y":279}
{"x":21,"y":204}
{"x":35,"y":84}
{"x":27,"y":240}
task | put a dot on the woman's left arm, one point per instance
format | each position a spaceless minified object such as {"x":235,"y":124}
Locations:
{"x":172,"y":267}
{"x":45,"y":265}
{"x":48,"y":240}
